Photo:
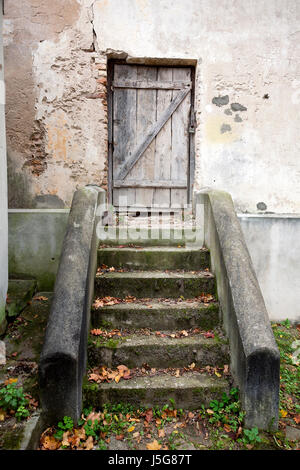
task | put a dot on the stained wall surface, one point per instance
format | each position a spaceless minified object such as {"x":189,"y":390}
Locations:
{"x":56,"y":119}
{"x":3,"y":192}
{"x":247,"y":92}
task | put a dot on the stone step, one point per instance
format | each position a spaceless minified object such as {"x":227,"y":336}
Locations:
{"x":142,"y":284}
{"x":156,"y":235}
{"x":164,"y":315}
{"x":149,"y":258}
{"x":157,"y":351}
{"x":189,"y":391}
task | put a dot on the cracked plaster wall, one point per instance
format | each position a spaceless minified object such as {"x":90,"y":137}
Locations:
{"x":247,"y":92}
{"x":56,"y":102}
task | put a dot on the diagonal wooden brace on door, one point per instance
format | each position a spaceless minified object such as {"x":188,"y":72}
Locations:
{"x":153,"y":131}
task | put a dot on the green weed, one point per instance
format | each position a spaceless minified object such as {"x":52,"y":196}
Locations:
{"x":250,"y":437}
{"x":226,"y":411}
{"x":65,"y":425}
{"x":12,"y":398}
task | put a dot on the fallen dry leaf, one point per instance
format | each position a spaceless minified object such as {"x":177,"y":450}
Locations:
{"x":89,"y":443}
{"x":108,"y":300}
{"x":94,"y":377}
{"x":10,"y":381}
{"x":107,"y":375}
{"x":117,"y":378}
{"x":34,"y":403}
{"x":239,"y":432}
{"x":227,"y":428}
{"x":154,"y":445}
{"x":122,"y":369}
{"x":149,"y":415}
{"x":130,"y":298}
{"x":209,"y":334}
{"x":65,"y":441}
{"x":74,"y":441}
{"x":50,"y":443}
{"x":297,"y":419}
{"x":96,"y":332}
{"x":80,"y":433}
{"x":2,"y":415}
{"x":93,"y":416}
{"x":172,"y":413}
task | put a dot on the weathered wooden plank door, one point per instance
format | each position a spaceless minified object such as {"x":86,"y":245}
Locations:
{"x":151,"y":136}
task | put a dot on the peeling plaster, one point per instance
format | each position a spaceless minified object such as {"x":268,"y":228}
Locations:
{"x":57,"y":110}
{"x":65,"y":144}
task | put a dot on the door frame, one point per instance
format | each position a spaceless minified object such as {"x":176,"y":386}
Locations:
{"x":192,"y":124}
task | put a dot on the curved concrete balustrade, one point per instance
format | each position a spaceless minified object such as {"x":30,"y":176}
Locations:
{"x":254,"y":354}
{"x":63,"y":358}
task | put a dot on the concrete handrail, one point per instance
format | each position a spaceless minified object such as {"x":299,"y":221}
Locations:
{"x":255,"y":358}
{"x":63,"y":358}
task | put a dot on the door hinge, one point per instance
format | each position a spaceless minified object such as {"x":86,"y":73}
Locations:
{"x":193,"y":123}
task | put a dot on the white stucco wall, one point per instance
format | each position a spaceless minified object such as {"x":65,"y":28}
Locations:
{"x":3,"y":191}
{"x":248,"y":51}
{"x":274,"y":246}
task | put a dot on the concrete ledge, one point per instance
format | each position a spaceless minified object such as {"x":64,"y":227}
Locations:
{"x":254,"y":353}
{"x":32,"y":432}
{"x":35,"y":238}
{"x":63,"y":358}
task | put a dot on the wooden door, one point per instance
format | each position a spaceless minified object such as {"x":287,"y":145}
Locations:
{"x":150,"y":130}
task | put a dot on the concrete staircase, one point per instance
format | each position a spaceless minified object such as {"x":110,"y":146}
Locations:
{"x":171,"y":337}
